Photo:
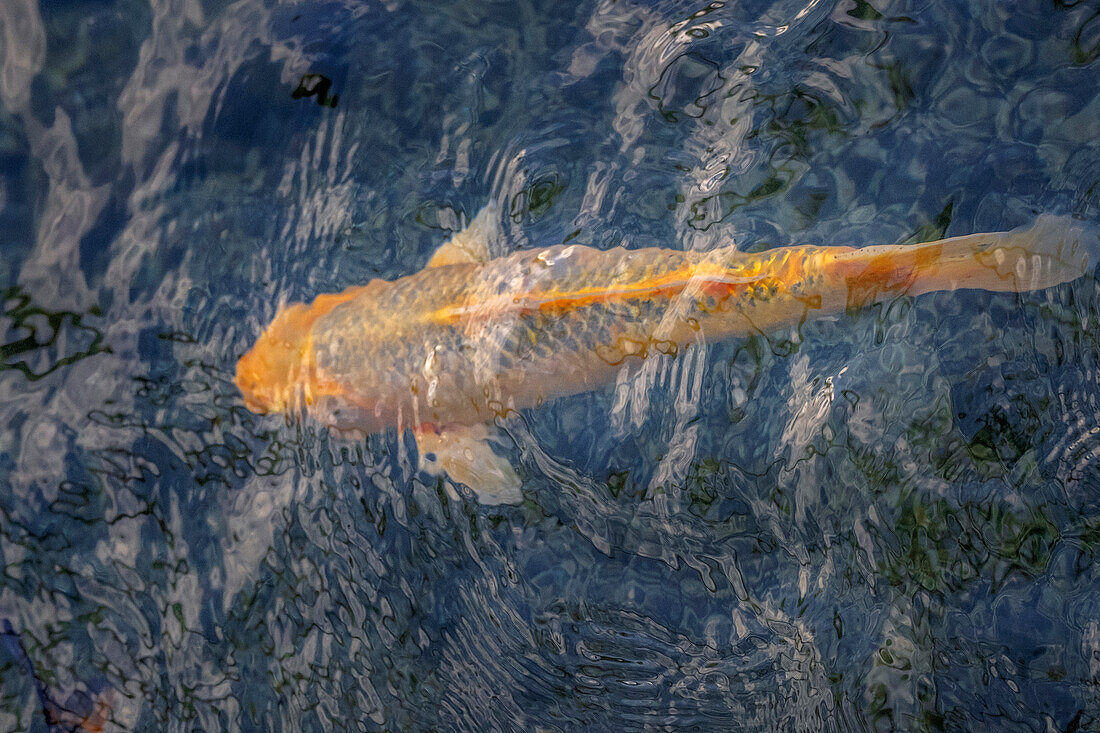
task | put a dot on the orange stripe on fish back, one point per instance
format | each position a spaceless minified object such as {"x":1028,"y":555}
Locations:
{"x":706,"y":279}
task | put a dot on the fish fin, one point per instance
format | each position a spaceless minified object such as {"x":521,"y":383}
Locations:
{"x":463,"y":452}
{"x":471,"y":245}
{"x":1052,"y":251}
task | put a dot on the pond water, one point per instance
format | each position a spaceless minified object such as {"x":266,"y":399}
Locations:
{"x":885,"y":520}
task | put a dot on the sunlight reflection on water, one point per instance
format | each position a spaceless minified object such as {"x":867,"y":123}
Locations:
{"x":886,"y":519}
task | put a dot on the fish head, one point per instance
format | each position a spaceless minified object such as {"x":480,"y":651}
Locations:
{"x":271,"y":373}
{"x":278,"y":373}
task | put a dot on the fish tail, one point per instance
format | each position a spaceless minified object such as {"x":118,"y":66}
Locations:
{"x":1051,"y":251}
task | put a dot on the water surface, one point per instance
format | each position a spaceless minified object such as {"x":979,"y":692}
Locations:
{"x":886,"y":520}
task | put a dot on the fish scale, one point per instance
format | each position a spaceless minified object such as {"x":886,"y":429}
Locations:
{"x":511,"y":333}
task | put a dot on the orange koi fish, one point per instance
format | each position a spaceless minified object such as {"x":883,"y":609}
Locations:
{"x":448,"y":349}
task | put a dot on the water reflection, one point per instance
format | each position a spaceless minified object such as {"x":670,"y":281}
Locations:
{"x":43,"y":341}
{"x":880,"y":520}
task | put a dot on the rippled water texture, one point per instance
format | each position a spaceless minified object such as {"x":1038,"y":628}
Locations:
{"x":889,"y":519}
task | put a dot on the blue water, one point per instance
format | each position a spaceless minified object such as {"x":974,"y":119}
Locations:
{"x":886,"y":520}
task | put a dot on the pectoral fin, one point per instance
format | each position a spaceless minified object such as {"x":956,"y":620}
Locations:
{"x":472,"y":243}
{"x":464,"y":453}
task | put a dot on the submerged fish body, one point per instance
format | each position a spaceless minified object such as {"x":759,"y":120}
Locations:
{"x":462,"y":342}
{"x":469,"y":338}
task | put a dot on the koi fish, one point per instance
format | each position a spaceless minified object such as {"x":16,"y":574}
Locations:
{"x":447,"y":350}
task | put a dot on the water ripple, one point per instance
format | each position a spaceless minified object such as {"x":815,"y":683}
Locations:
{"x":883,"y":520}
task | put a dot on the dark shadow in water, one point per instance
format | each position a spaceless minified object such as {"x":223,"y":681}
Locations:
{"x":45,"y":340}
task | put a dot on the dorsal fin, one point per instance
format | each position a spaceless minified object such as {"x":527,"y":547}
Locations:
{"x":472,"y":243}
